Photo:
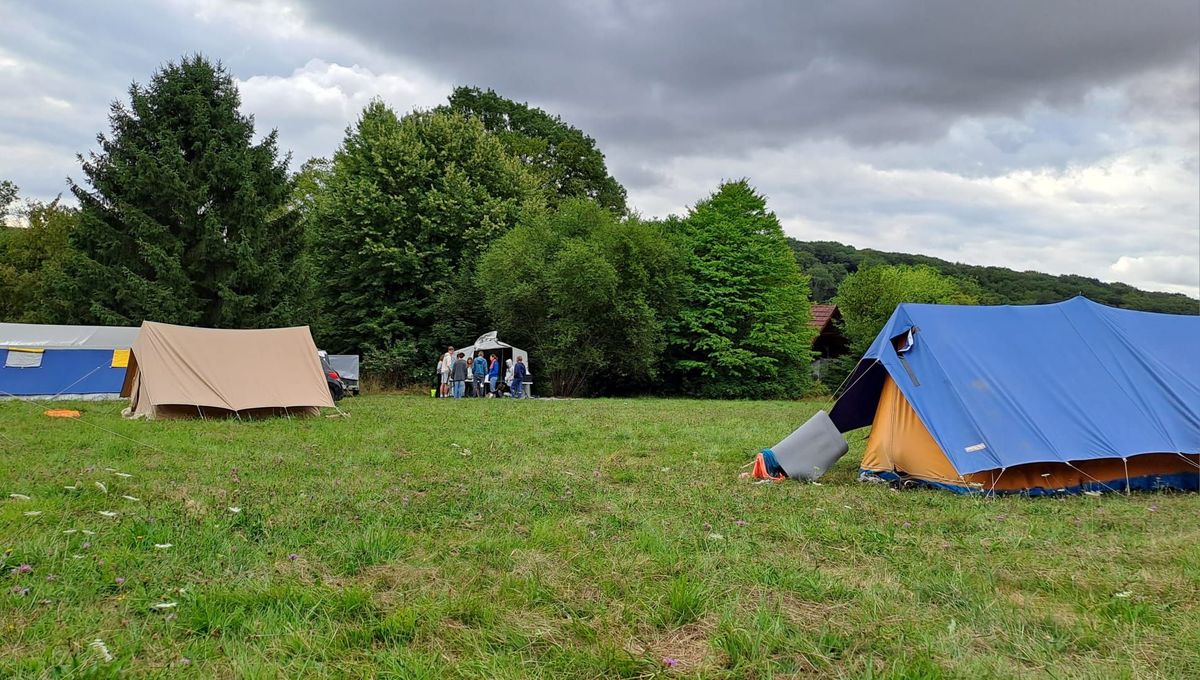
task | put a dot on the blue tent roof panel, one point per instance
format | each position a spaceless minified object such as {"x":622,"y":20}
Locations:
{"x":1003,"y":386}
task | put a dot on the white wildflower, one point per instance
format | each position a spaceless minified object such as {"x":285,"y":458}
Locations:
{"x":70,"y":531}
{"x":1123,"y":594}
{"x":126,"y":475}
{"x":163,"y":546}
{"x":102,"y":487}
{"x":19,"y":496}
{"x":107,"y":513}
{"x":164,"y":605}
{"x":716,"y":537}
{"x":101,"y":649}
{"x":110,"y":469}
{"x":131,"y":498}
{"x":33,"y":513}
{"x":235,"y":510}
{"x":88,"y":533}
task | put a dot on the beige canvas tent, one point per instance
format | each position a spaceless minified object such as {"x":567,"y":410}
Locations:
{"x":184,"y":372}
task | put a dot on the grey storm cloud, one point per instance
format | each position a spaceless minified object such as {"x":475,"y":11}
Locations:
{"x":680,"y":74}
{"x":1058,"y":136}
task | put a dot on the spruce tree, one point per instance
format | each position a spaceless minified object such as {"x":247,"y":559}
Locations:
{"x":184,"y":218}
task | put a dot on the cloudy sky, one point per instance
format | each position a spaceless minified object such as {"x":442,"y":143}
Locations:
{"x":1057,"y":136}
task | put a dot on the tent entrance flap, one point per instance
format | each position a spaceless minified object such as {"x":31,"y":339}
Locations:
{"x":900,"y":442}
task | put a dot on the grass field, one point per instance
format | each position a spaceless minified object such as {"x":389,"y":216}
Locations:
{"x":420,"y":538}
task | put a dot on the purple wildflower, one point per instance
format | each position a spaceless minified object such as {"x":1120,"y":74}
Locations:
{"x":120,"y":580}
{"x":184,"y":661}
{"x":51,"y":577}
{"x":293,"y":557}
{"x":741,"y":522}
{"x":18,"y":590}
{"x":23,"y":569}
{"x":86,"y":546}
{"x":707,"y":526}
{"x":670,"y":662}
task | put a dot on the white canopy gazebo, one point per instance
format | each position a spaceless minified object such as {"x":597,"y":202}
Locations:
{"x":489,"y":344}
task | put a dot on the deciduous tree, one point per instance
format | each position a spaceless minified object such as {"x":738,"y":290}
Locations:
{"x":566,"y":161}
{"x":868,"y":297}
{"x":586,"y":294}
{"x":743,"y":327}
{"x":409,"y":203}
{"x":32,"y":260}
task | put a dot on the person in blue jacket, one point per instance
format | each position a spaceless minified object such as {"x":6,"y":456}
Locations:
{"x":479,"y":372}
{"x":519,"y":375}
{"x":493,"y":375}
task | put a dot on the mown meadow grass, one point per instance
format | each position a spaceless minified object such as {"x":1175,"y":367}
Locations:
{"x":421,"y":538}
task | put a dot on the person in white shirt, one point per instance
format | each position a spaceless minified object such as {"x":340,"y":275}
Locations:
{"x":445,"y":365}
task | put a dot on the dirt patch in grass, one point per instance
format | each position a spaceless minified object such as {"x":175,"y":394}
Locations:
{"x":395,"y":583}
{"x":307,"y":572}
{"x":688,"y":645}
{"x":802,"y":612}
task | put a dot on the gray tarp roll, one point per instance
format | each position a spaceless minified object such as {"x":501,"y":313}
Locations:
{"x":813,"y":448}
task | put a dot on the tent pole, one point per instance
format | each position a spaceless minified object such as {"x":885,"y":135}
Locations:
{"x":995,"y":481}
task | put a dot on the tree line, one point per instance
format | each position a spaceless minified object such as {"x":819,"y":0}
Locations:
{"x":829,"y":262}
{"x":428,"y":228}
{"x":421,"y":230}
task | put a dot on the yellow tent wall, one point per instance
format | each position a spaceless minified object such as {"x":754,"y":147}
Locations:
{"x":900,"y":443}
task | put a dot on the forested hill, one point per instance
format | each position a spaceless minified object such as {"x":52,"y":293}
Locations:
{"x":828,"y":262}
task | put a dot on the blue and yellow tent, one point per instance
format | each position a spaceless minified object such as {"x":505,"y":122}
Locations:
{"x":39,"y":361}
{"x":1067,"y":397}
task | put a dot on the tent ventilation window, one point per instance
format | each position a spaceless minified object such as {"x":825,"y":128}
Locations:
{"x":23,"y":358}
{"x":904,"y":343}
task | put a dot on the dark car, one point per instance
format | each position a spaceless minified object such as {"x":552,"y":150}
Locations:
{"x":337,"y":388}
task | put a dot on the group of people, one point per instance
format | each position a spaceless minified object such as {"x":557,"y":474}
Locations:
{"x":457,"y":375}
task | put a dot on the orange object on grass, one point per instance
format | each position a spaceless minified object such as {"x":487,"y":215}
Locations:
{"x":760,"y":469}
{"x":62,"y":413}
